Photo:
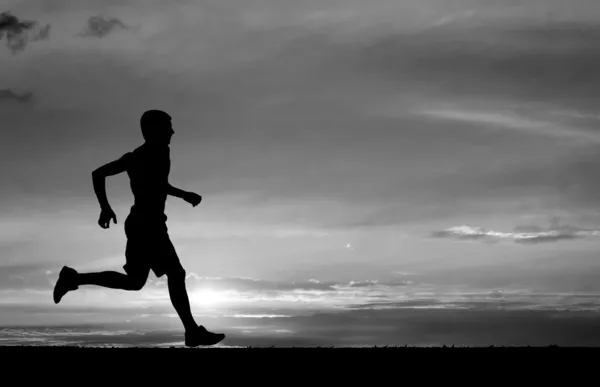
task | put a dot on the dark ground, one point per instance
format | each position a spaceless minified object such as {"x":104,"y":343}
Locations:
{"x":415,"y":366}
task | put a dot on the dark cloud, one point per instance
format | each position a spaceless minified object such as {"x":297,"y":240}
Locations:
{"x":18,"y":33}
{"x":100,"y":27}
{"x":492,"y":300}
{"x":9,"y":95}
{"x":429,"y":302}
{"x":362,"y":284}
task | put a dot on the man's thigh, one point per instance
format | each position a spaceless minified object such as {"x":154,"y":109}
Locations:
{"x":166,"y":261}
{"x":137,"y":259}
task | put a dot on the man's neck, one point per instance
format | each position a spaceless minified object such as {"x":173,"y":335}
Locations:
{"x":156,"y":146}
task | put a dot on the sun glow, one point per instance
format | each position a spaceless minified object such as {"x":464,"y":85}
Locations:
{"x":208,"y":297}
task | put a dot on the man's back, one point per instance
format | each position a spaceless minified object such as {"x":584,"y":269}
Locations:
{"x":148,"y":169}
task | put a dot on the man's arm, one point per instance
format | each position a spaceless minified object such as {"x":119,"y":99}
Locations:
{"x":190,"y":197}
{"x":99,"y":179}
{"x":176,"y":192}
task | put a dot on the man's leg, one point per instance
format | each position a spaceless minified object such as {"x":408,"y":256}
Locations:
{"x":69,"y":279}
{"x":179,"y":297}
{"x":114,"y":280}
{"x":194,"y":335}
{"x":171,"y":266}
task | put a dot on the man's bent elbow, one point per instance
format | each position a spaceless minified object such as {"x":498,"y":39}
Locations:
{"x":97,"y":174}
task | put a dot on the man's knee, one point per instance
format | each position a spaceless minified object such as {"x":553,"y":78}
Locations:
{"x":176,"y":273}
{"x":137,"y":282}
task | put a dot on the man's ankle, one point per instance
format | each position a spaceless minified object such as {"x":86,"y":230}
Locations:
{"x":77,"y":279}
{"x":190,"y":327}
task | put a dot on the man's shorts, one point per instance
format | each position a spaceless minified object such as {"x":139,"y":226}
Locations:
{"x":149,"y":248}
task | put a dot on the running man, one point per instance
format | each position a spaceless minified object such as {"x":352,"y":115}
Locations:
{"x":148,"y":244}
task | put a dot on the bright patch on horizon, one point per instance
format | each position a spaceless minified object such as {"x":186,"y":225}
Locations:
{"x":208,"y":297}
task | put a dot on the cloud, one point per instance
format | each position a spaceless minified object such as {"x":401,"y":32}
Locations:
{"x":513,"y":122}
{"x":100,"y":27}
{"x":32,"y":276}
{"x":86,"y":335}
{"x":244,"y":284}
{"x":362,"y":284}
{"x":505,"y":299}
{"x":422,"y":327}
{"x":8,"y":94}
{"x":521,"y":234}
{"x":18,"y":33}
{"x":454,"y":18}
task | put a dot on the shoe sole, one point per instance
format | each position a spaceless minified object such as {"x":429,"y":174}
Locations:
{"x":213,"y":342}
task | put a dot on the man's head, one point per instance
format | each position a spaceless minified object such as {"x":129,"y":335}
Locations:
{"x":156,"y":127}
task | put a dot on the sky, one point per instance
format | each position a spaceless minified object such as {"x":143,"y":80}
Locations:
{"x":417,"y":172}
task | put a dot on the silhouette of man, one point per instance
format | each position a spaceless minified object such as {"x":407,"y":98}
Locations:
{"x":148,"y":244}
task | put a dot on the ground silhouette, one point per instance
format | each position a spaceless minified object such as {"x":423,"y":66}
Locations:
{"x":306,"y":366}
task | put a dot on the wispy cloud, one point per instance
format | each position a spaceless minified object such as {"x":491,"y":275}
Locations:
{"x":528,"y":235}
{"x":512,"y":121}
{"x":453,"y":18}
{"x":99,"y":26}
{"x":18,"y":33}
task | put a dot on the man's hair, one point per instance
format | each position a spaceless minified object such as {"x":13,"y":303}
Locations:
{"x":149,"y":120}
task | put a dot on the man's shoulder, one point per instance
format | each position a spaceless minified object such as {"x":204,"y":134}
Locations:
{"x":146,"y":152}
{"x":139,"y":151}
{"x":132,"y":155}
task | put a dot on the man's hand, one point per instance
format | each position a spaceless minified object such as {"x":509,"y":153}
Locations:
{"x":105,"y":216}
{"x":192,"y":198}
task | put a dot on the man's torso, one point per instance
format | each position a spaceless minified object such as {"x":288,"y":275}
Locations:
{"x":148,"y":170}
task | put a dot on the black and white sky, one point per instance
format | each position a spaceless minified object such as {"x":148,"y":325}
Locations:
{"x":409,"y":160}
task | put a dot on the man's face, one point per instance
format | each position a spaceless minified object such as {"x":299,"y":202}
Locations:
{"x":163,"y":132}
